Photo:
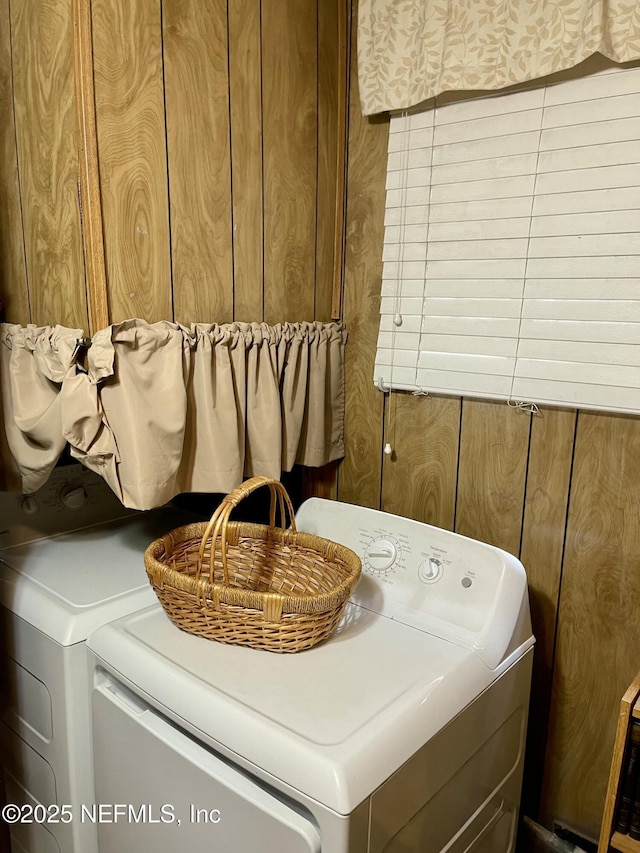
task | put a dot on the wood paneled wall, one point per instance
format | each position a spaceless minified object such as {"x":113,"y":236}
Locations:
{"x":560,"y":489}
{"x":220,"y":151}
{"x":219,"y":130}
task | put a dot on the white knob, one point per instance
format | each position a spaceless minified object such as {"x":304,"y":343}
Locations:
{"x":29,"y":505}
{"x":73,"y":497}
{"x":430,"y":570}
{"x":381,"y":554}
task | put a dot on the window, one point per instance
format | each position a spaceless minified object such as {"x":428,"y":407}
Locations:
{"x":512,"y":246}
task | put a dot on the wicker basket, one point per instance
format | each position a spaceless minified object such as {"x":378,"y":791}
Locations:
{"x":277,"y":589}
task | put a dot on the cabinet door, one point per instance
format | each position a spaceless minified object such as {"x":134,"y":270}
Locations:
{"x":173,"y":793}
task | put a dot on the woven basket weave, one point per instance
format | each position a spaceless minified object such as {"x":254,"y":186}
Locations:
{"x":252,"y":584}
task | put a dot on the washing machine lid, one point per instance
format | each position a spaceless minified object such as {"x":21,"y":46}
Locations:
{"x":68,"y":585}
{"x":333,"y":722}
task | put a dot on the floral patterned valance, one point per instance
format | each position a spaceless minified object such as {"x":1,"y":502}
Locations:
{"x":412,"y":50}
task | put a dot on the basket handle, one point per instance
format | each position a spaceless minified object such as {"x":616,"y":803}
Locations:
{"x":220,"y":518}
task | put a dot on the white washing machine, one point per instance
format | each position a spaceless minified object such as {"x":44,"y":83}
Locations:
{"x":404,"y":732}
{"x":71,"y":558}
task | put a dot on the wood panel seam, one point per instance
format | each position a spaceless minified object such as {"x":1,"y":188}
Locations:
{"x":315,"y":230}
{"x":166,"y":150}
{"x":455,"y":503}
{"x":232,"y":209}
{"x":262,"y":192}
{"x":564,"y":545}
{"x":526,"y":480}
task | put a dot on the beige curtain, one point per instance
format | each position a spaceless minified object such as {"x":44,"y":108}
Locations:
{"x":162,"y":409}
{"x":412,"y":50}
{"x":34,"y":364}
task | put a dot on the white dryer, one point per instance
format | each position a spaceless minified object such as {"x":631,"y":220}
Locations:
{"x":403,"y":732}
{"x":71,"y":558}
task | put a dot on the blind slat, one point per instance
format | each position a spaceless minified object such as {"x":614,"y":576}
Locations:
{"x":480,"y":229}
{"x":610,"y":267}
{"x":450,"y":382}
{"x":601,"y":109}
{"x":489,"y":307}
{"x":572,"y":351}
{"x":579,"y":288}
{"x":580,"y":395}
{"x":601,"y":222}
{"x":478,"y":250}
{"x":507,"y":288}
{"x":461,"y":212}
{"x":596,"y":373}
{"x":579,"y":201}
{"x":577,"y":330}
{"x":587,"y":245}
{"x":589,"y":156}
{"x":600,"y":85}
{"x":484,"y":149}
{"x":480,"y":345}
{"x":609,"y":130}
{"x":467,"y":363}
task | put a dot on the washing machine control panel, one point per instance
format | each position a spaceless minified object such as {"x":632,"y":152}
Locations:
{"x":426,"y":577}
{"x":425,"y":574}
{"x":73,"y":497}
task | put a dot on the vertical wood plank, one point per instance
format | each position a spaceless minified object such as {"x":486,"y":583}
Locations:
{"x":13,"y":276}
{"x":493,"y":464}
{"x":45,"y":118}
{"x":419,"y":478}
{"x":332,"y":128}
{"x":320,"y":482}
{"x":197,"y":105}
{"x":359,"y":475}
{"x":91,"y":208}
{"x":246,"y":156}
{"x":344,"y":52}
{"x":598,"y":643}
{"x":289,"y":87}
{"x":329,"y":12}
{"x":545,"y":516}
{"x":132,"y":153}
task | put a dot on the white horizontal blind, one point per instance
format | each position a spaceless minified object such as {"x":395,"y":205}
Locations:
{"x":512,"y":246}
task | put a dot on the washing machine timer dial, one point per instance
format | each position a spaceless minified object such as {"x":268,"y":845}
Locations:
{"x":381,"y":555}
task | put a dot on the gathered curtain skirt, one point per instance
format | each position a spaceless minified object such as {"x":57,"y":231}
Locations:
{"x":161,"y":409}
